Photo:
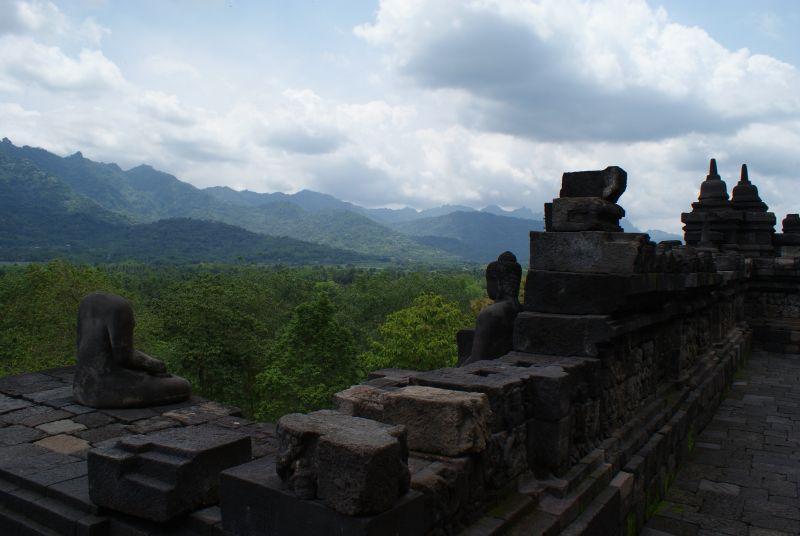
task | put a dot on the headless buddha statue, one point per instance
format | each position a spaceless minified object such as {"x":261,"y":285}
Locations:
{"x":494,"y":328}
{"x":110,"y":372}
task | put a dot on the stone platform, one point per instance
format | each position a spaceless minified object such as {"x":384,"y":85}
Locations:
{"x":44,"y":440}
{"x":743,"y":474}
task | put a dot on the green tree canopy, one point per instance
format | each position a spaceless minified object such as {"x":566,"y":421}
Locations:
{"x":419,"y":337}
{"x":313,"y":357}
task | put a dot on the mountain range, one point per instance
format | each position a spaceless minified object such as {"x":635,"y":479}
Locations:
{"x":53,"y":206}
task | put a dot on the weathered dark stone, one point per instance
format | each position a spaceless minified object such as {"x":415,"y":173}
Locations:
{"x":572,"y":214}
{"x":745,"y":194}
{"x":507,"y":393}
{"x":576,"y":293}
{"x":14,"y":435}
{"x":494,"y":328}
{"x":8,"y":404}
{"x":355,"y":466}
{"x":555,"y":334}
{"x":592,"y":252}
{"x":713,"y":191}
{"x":550,"y":443}
{"x":438,"y":421}
{"x":166,"y":474}
{"x":254,"y":501}
{"x":110,"y":372}
{"x":791,"y":224}
{"x":607,"y":184}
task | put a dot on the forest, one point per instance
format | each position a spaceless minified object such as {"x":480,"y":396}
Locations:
{"x":270,"y":340}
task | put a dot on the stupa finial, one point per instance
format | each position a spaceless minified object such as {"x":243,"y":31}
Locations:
{"x":712,"y":168}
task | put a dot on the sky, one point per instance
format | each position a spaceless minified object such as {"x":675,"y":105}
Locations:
{"x":416,"y":102}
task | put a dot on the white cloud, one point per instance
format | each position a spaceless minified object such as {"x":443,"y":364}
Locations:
{"x":25,"y":62}
{"x":570,"y":69}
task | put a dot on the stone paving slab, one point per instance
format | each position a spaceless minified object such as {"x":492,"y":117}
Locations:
{"x":743,"y":475}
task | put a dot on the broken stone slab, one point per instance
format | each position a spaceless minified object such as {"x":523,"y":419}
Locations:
{"x":355,"y":466}
{"x":585,"y":214}
{"x":165,"y":474}
{"x":438,"y":421}
{"x":607,"y":184}
{"x":592,"y":252}
{"x":256,"y":502}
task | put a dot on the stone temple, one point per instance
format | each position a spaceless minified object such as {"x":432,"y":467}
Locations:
{"x":638,"y":388}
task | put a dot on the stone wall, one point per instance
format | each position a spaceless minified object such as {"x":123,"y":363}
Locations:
{"x":773,"y":303}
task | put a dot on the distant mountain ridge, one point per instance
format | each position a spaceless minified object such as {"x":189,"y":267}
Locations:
{"x":144,"y":195}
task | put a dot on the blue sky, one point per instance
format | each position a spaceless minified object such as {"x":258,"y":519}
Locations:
{"x":415,"y":102}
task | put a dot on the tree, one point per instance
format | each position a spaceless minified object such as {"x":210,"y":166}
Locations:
{"x":39,"y":305}
{"x":419,"y":337}
{"x":313,"y":357}
{"x":213,"y":333}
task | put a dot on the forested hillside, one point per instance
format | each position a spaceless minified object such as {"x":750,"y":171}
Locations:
{"x":271,"y":340}
{"x":477,"y":236}
{"x":144,"y":194}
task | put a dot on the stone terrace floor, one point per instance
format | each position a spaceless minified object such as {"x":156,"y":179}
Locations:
{"x":45,"y":436}
{"x":742,"y":476}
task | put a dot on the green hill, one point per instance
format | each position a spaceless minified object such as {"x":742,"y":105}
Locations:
{"x":474,"y":236}
{"x":144,"y":194}
{"x":42,"y":218}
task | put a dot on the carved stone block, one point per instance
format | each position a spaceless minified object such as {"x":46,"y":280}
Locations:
{"x":166,"y":474}
{"x":256,"y":502}
{"x":592,"y":252}
{"x":355,"y":466}
{"x":585,"y":214}
{"x":438,"y":421}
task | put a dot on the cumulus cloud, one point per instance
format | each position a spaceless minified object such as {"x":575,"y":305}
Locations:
{"x":25,"y":62}
{"x":573,"y":70}
{"x":20,"y":17}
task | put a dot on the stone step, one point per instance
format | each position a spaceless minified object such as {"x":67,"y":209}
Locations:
{"x":161,"y":465}
{"x":599,"y":518}
{"x":149,"y":482}
{"x":36,"y":510}
{"x":18,"y":525}
{"x":568,"y":508}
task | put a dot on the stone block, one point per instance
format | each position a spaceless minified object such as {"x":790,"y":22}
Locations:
{"x":565,"y":335}
{"x":355,"y":466}
{"x":438,"y":421}
{"x":254,"y":501}
{"x":507,"y":456}
{"x":164,"y":475}
{"x":592,"y":252}
{"x":506,"y":392}
{"x":578,"y":293}
{"x":608,"y":184}
{"x":585,"y":214}
{"x":549,"y":441}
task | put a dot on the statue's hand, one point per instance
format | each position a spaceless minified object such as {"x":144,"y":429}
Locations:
{"x":157,"y":367}
{"x":150,"y":364}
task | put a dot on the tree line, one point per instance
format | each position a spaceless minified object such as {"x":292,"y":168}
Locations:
{"x":271,"y":340}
